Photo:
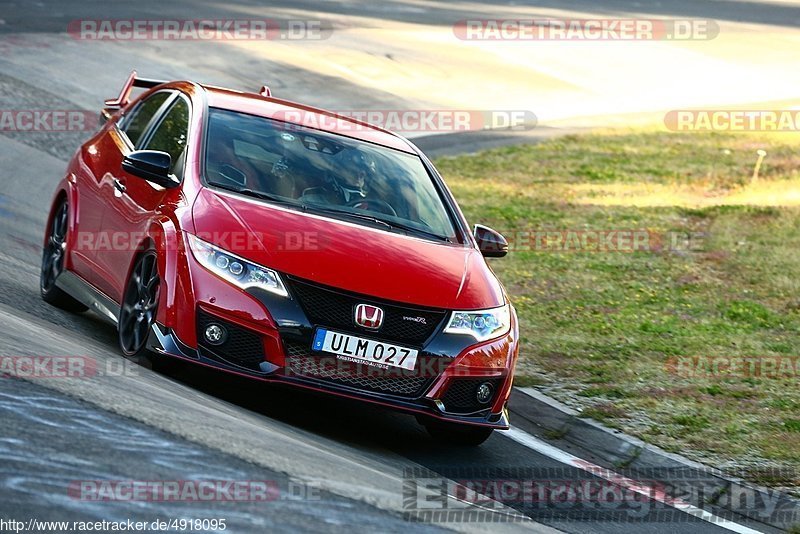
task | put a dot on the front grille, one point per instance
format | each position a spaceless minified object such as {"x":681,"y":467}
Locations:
{"x":405,"y":383}
{"x":461,"y":395}
{"x":332,"y":308}
{"x":242,"y":347}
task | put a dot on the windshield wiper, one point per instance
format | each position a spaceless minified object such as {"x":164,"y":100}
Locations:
{"x":383,"y":222}
{"x":415,"y":230}
{"x":258,"y":194}
{"x":391,"y":225}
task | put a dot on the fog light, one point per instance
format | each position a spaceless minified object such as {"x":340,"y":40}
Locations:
{"x":215,"y":334}
{"x":485,"y":392}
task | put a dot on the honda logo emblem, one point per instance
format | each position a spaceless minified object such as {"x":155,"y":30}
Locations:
{"x":369,"y":316}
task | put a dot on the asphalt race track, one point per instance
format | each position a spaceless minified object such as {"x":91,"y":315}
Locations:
{"x":337,"y":465}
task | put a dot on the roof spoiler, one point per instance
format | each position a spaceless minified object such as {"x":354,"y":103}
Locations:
{"x":124,"y":97}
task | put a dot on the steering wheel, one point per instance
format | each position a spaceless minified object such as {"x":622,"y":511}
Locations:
{"x":372,"y":204}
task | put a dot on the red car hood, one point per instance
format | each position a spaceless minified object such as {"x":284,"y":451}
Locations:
{"x":347,"y":256}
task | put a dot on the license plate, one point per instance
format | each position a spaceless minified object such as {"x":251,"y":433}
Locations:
{"x":366,"y":350}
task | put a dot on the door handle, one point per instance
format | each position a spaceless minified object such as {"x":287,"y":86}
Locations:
{"x":119,"y":186}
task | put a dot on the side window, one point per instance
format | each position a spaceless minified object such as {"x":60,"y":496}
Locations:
{"x":171,"y":133}
{"x":136,"y":123}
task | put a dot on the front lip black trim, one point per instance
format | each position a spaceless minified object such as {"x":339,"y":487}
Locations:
{"x":163,"y":341}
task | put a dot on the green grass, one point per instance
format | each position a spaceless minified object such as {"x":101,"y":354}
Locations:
{"x":599,"y":329}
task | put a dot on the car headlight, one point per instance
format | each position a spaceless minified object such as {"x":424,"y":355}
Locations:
{"x":481,"y":324}
{"x":234,"y":269}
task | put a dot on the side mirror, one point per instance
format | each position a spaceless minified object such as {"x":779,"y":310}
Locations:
{"x":491,"y":243}
{"x":152,"y":165}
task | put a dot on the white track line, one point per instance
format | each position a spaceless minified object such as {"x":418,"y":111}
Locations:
{"x":542,"y":447}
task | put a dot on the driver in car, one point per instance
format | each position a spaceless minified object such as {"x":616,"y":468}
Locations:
{"x":347,"y":185}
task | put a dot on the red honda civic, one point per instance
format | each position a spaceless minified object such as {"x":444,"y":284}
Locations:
{"x":288,"y":244}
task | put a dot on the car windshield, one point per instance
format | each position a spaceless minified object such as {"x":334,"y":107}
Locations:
{"x":326,"y":172}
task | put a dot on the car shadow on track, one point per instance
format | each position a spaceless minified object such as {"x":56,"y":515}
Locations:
{"x":343,"y":420}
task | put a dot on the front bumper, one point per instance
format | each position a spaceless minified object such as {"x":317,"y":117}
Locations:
{"x":164,"y":341}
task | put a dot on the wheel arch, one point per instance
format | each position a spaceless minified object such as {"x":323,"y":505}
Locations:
{"x":163,"y":238}
{"x":65,"y":191}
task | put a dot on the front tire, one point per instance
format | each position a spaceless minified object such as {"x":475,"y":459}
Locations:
{"x":456,"y":434}
{"x":53,"y":256}
{"x":139,"y":305}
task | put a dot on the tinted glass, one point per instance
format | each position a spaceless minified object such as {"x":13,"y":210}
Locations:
{"x":170,"y":135}
{"x":136,"y":123}
{"x":320,"y":169}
